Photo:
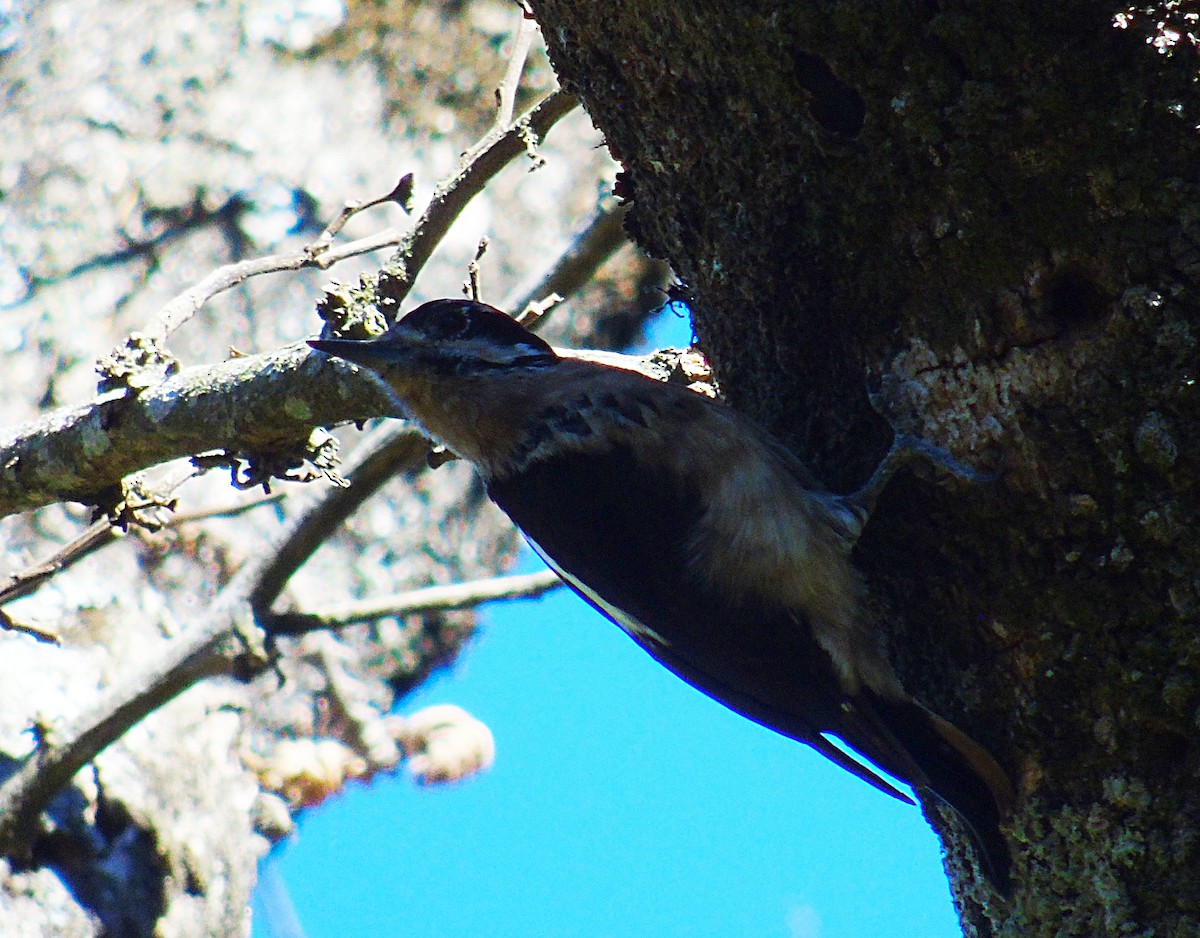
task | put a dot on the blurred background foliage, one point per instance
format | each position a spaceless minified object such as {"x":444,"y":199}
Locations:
{"x":142,"y":145}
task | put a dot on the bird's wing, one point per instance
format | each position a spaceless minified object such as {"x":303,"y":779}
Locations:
{"x":621,"y":547}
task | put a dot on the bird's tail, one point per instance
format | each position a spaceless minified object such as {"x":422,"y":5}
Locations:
{"x":937,"y":758}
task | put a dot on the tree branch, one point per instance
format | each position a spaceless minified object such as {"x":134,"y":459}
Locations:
{"x":212,"y":647}
{"x":506,"y":93}
{"x":497,"y":148}
{"x":390,"y":450}
{"x":493,"y":153}
{"x":248,"y":402}
{"x":207,"y":649}
{"x":257,"y":402}
{"x":602,"y":237}
{"x":430,"y":599}
{"x":100,"y":535}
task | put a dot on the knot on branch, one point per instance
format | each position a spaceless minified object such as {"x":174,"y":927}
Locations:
{"x":138,"y":364}
{"x":315,"y":458}
{"x":132,"y":503}
{"x":355,"y":312}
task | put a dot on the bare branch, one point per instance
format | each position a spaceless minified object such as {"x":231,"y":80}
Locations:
{"x":223,"y":639}
{"x":400,"y":194}
{"x":185,"y":306}
{"x":260,"y":402}
{"x":388,"y":237}
{"x":227,"y":511}
{"x":390,"y":450}
{"x":430,"y":599}
{"x":506,"y":94}
{"x":602,"y":237}
{"x":211,"y":647}
{"x":471,"y":286}
{"x":97,"y":536}
{"x":368,"y":731}
{"x":533,"y":311}
{"x":207,"y":649}
{"x":491,"y":154}
{"x":254,"y":402}
{"x":24,"y":582}
{"x":9,"y":624}
{"x":140,"y":504}
{"x":494,"y":152}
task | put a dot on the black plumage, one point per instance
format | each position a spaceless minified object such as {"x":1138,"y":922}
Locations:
{"x":617,"y":547}
{"x":693,"y":530}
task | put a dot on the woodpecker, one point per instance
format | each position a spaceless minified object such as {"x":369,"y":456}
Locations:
{"x":696,"y":532}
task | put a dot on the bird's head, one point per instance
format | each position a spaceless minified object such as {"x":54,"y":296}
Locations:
{"x":445,"y":337}
{"x":460,"y":369}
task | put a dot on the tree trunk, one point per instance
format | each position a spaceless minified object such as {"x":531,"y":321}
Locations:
{"x":976,"y":224}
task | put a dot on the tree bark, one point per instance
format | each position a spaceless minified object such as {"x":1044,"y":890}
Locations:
{"x":975,"y":223}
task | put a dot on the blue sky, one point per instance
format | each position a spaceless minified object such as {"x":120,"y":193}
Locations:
{"x":622,"y":803}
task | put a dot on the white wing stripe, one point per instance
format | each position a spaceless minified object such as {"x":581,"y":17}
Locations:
{"x":636,"y":630}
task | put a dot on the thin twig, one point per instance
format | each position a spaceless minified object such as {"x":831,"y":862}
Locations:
{"x":9,"y":624}
{"x":506,"y":91}
{"x":429,"y":599}
{"x":533,"y":311}
{"x":650,"y":364}
{"x":43,"y":462}
{"x":187,"y":304}
{"x":227,"y":511}
{"x":506,"y":94}
{"x":317,"y":254}
{"x":212,"y":646}
{"x":471,"y":287}
{"x":24,"y":582}
{"x":368,"y":244}
{"x":499,"y":146}
{"x":598,"y":241}
{"x":494,"y":152}
{"x":208,"y":649}
{"x":400,"y":194}
{"x":96,"y":536}
{"x":391,"y":449}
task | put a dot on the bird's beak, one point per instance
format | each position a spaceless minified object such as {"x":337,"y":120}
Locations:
{"x":371,"y":353}
{"x":379,"y":358}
